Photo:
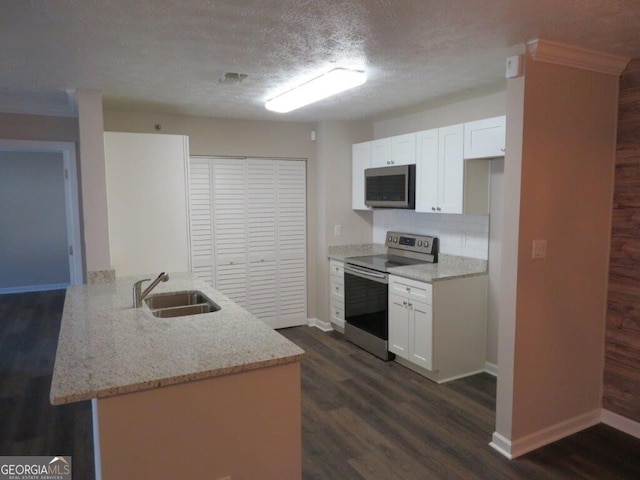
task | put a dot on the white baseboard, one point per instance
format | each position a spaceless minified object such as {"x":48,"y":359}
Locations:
{"x":491,"y":368}
{"x":528,"y":443}
{"x":34,"y":288}
{"x":621,"y":423}
{"x":322,"y":325}
{"x":501,"y":444}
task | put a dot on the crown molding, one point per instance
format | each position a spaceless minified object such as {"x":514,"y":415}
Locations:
{"x":548,"y":51}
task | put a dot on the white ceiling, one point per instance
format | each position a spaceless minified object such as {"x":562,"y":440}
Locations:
{"x":166,"y":56}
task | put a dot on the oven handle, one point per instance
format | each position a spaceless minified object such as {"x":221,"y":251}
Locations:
{"x":364,"y":273}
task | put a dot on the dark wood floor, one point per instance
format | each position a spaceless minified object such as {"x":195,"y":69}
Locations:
{"x":29,"y":424}
{"x":363,"y":419}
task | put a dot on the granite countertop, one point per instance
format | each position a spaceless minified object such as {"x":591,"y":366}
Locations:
{"x":107,"y":348}
{"x":448,"y":267}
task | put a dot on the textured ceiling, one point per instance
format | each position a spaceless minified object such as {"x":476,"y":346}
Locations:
{"x":166,"y":56}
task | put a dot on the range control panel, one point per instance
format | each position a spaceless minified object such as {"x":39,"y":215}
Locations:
{"x":412,"y":243}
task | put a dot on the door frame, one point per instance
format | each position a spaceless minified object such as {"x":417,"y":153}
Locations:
{"x":71,"y":195}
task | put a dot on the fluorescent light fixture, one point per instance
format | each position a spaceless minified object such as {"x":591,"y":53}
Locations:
{"x":334,"y":81}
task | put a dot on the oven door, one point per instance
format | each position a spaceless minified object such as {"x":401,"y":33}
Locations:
{"x":366,"y":300}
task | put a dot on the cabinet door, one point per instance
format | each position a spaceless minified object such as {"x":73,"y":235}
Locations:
{"x":485,"y":138}
{"x":361,"y":160}
{"x":427,"y":171}
{"x":399,"y":326}
{"x":403,"y":149}
{"x":201,"y":219}
{"x":421,"y":351}
{"x":231,"y":278}
{"x":381,"y":152}
{"x":263,"y":290}
{"x":451,"y":169}
{"x":292,"y":242}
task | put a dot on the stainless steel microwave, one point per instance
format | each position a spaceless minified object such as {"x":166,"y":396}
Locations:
{"x":390,"y":187}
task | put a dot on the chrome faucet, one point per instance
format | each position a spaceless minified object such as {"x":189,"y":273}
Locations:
{"x":139,"y":295}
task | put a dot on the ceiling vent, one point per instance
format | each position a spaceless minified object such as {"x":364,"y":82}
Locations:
{"x":231,"y":78}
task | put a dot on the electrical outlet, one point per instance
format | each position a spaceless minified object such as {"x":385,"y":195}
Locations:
{"x":337,"y":230}
{"x":539,"y":249}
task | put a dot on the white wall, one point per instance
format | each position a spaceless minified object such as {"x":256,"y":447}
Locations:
{"x":33,"y":222}
{"x":334,"y":140}
{"x":93,"y":183}
{"x":455,"y":112}
{"x":463,"y":235}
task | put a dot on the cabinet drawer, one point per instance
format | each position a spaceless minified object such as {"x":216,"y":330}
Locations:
{"x":412,"y":289}
{"x":337,"y":312}
{"x":337,"y":291}
{"x":336,"y":269}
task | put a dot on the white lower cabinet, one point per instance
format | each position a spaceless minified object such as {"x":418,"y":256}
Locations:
{"x":411,"y":321}
{"x":336,"y":289}
{"x":438,"y":330}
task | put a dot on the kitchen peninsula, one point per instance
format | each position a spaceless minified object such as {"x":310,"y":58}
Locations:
{"x":213,"y":395}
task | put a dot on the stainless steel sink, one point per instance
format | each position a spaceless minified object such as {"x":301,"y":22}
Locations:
{"x":180,"y":304}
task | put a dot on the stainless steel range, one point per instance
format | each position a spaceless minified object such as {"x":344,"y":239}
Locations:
{"x":366,"y":288}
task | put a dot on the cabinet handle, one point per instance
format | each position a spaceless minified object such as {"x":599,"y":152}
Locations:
{"x":410,"y":305}
{"x":438,"y":209}
{"x":433,"y":209}
{"x":337,"y":288}
{"x":408,"y":289}
{"x":404,"y":303}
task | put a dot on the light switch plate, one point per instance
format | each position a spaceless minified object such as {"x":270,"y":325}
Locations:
{"x":337,"y":230}
{"x":539,"y":249}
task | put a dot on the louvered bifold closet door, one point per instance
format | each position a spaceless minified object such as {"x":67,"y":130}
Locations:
{"x":261,"y":235}
{"x":292,"y":240}
{"x":201,"y":218}
{"x":255,"y":247}
{"x":229,"y":228}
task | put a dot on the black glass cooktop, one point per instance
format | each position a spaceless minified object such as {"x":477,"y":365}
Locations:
{"x":382,"y":262}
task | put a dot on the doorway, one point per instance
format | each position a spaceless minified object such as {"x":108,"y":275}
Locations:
{"x":39,"y":216}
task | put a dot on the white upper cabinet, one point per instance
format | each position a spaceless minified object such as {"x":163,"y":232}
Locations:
{"x":485,"y":138}
{"x":451,"y":170}
{"x":361,"y":160}
{"x":427,"y":170}
{"x":381,"y":152}
{"x":449,"y":176}
{"x":397,"y":150}
{"x":440,"y":170}
{"x":445,"y":182}
{"x":403,"y":149}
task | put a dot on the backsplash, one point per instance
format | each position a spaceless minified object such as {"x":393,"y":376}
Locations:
{"x":464,"y":235}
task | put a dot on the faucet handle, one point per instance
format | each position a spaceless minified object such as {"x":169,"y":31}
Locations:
{"x":137,"y":292}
